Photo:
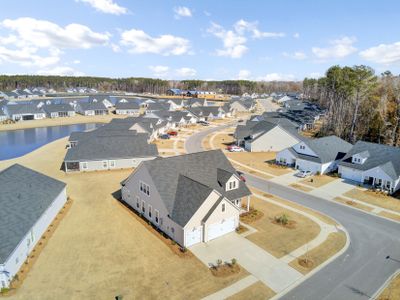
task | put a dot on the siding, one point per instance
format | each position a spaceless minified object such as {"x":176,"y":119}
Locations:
{"x":276,"y":139}
{"x":123,"y":163}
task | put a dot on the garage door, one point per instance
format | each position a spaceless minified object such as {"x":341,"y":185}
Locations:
{"x":218,"y":229}
{"x":194,"y":236}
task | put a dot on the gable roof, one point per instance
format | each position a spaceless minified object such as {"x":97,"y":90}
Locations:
{"x":127,"y":105}
{"x":387,"y":157}
{"x":185,"y":181}
{"x":92,"y":106}
{"x":57,"y":108}
{"x":23,"y":108}
{"x":24,"y":196}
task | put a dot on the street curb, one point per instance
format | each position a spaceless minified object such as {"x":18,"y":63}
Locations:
{"x":385,"y":284}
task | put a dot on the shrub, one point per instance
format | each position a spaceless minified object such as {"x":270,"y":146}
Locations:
{"x":183,"y":249}
{"x":282,"y":219}
{"x":173,"y":242}
{"x":219,"y":262}
{"x":233,"y":261}
{"x":4,"y":290}
{"x":318,"y":173}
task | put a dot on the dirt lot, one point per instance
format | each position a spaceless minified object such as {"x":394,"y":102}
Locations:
{"x":318,"y":180}
{"x":318,"y":255}
{"x":276,"y":239}
{"x":257,"y":291}
{"x":78,"y":119}
{"x":392,"y":291}
{"x":259,"y":160}
{"x":99,"y":250}
{"x":375,"y":198}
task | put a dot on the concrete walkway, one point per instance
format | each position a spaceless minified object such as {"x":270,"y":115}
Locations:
{"x":273,"y":272}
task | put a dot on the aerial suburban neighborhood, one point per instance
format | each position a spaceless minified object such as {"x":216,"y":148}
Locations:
{"x":182,"y":150}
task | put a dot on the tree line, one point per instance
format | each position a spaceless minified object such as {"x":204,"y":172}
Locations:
{"x":144,"y":85}
{"x":360,"y":105}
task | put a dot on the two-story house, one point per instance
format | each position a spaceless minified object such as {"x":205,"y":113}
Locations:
{"x":315,"y":155}
{"x":192,"y":198}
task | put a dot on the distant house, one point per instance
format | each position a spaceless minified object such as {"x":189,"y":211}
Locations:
{"x":91,"y":108}
{"x":59,"y":110}
{"x":104,"y":149}
{"x":9,"y":95}
{"x":192,"y":198}
{"x":372,"y":164}
{"x":243,"y":106}
{"x":127,"y":107}
{"x":315,"y":155}
{"x":175,"y":92}
{"x":194,"y":102}
{"x":3,"y":116}
{"x":283,"y":99}
{"x":206,"y":113}
{"x":29,"y":202}
{"x":176,"y":104}
{"x":24,"y":111}
{"x":200,"y":94}
{"x":157,"y":106}
{"x":266,"y":136}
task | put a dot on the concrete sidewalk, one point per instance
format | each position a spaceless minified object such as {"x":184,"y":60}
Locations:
{"x":273,"y":272}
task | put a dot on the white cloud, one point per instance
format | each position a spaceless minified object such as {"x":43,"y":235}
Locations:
{"x":76,"y":61}
{"x":159,"y":71}
{"x":383,"y":53}
{"x":186,"y":72}
{"x":140,"y":42}
{"x":244,"y":75}
{"x":115,"y":48}
{"x":276,"y":77}
{"x":207,"y":13}
{"x":298,"y":55}
{"x":339,"y":48}
{"x":61,"y":71}
{"x":296,"y":35}
{"x":234,"y":41}
{"x":32,"y":42}
{"x":106,"y":6}
{"x":182,"y":11}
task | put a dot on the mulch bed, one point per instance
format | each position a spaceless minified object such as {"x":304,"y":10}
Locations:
{"x":305,"y":263}
{"x":225,"y":270}
{"x":251,"y":216}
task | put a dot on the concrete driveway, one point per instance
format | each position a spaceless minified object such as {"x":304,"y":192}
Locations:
{"x":271,"y":271}
{"x":333,"y":189}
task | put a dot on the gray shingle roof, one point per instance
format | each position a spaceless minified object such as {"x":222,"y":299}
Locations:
{"x":204,"y":111}
{"x":127,"y":105}
{"x":328,"y":148}
{"x":24,"y":196}
{"x":92,"y":106}
{"x":388,"y":157}
{"x":57,"y":108}
{"x":19,"y":109}
{"x":184,"y":181}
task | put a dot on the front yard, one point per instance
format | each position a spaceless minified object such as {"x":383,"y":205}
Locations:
{"x":375,"y":198}
{"x":256,"y":291}
{"x":277,"y":238}
{"x":100,"y":250}
{"x":263,"y":161}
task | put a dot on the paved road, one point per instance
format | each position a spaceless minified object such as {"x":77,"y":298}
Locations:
{"x":363,"y":268}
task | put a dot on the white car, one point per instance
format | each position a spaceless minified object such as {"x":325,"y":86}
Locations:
{"x":236,"y":149}
{"x":303,"y":174}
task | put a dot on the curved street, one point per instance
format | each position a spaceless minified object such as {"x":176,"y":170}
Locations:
{"x":371,"y":258}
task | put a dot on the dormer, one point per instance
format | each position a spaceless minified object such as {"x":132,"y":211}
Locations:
{"x":360,"y":158}
{"x":303,"y":148}
{"x":227,"y":180}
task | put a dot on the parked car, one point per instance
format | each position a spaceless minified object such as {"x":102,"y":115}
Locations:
{"x":204,"y":123}
{"x":172,"y":133}
{"x":303,"y":174}
{"x":235,"y":149}
{"x":240,"y":121}
{"x":164,"y":136}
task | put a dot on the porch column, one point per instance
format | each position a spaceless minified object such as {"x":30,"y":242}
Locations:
{"x":248,"y":203}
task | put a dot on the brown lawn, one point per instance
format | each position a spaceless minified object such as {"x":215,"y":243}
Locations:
{"x":164,"y":144}
{"x":180,"y":145}
{"x":78,"y":119}
{"x":99,"y":250}
{"x":376,"y":198}
{"x":276,"y":239}
{"x":389,"y":215}
{"x":300,"y":187}
{"x":222,"y":140}
{"x":353,"y":203}
{"x":392,"y":291}
{"x":263,"y":161}
{"x":334,"y":243}
{"x":256,"y":291}
{"x":318,"y":180}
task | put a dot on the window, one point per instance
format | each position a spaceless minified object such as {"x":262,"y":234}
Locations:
{"x":223,"y":207}
{"x":16,"y":260}
{"x":112,"y":163}
{"x":84,"y":165}
{"x":137,"y":202}
{"x":150,"y":211}
{"x":145,"y":188}
{"x":157,"y":215}
{"x":302,"y":147}
{"x":105,"y":164}
{"x":143,"y":207}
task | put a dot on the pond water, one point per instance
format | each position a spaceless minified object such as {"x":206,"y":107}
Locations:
{"x":15,"y":143}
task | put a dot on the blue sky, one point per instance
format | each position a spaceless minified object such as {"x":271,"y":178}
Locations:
{"x":256,"y":40}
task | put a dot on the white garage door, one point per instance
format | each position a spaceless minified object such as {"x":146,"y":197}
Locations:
{"x":221,"y":228}
{"x":194,"y":236}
